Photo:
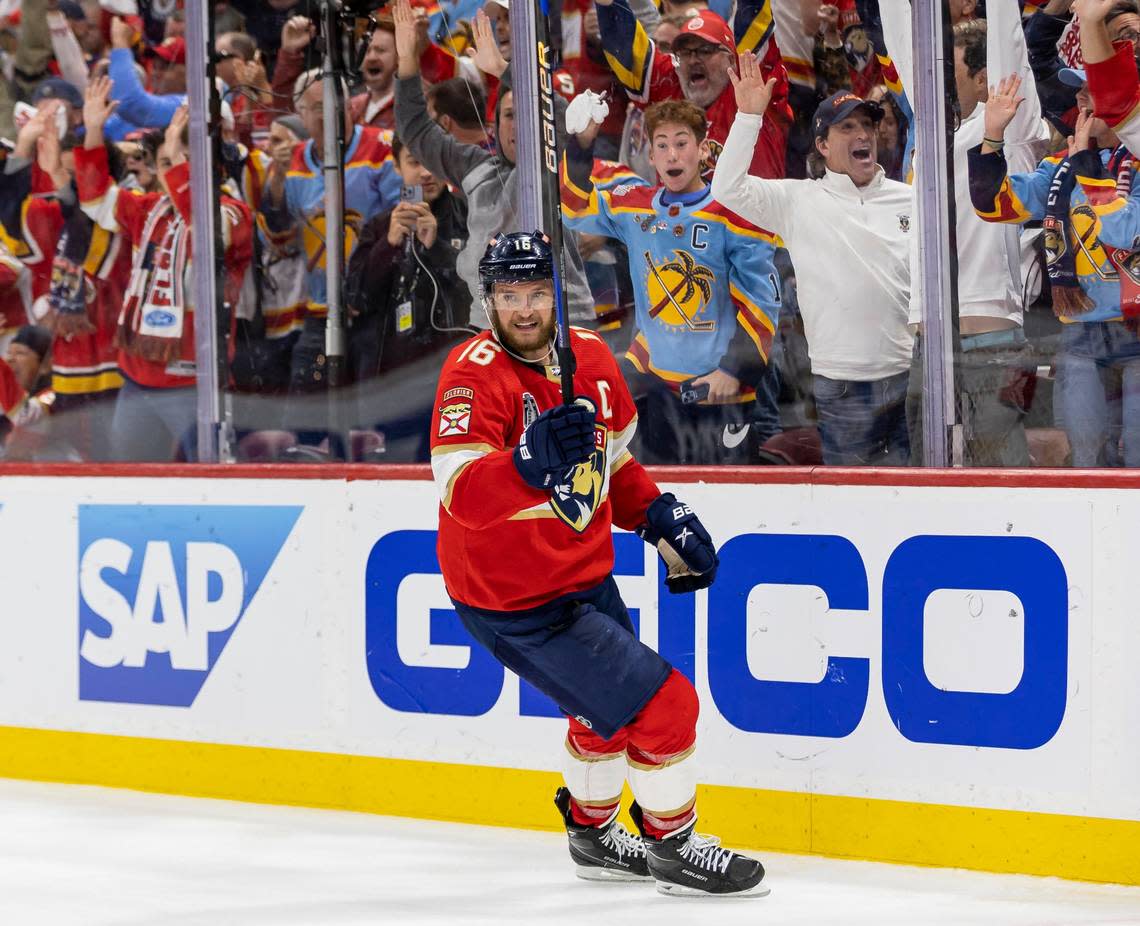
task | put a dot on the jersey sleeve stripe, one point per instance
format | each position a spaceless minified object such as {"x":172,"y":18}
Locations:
{"x":449,"y":461}
{"x":621,"y":461}
{"x":620,"y":441}
{"x":756,"y":316}
{"x":757,"y":233}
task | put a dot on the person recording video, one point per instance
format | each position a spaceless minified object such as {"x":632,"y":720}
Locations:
{"x":408,"y":305}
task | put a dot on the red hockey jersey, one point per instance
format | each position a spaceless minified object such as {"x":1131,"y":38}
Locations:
{"x":504,"y":546}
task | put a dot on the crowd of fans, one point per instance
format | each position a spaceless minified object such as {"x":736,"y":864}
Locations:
{"x":739,"y":213}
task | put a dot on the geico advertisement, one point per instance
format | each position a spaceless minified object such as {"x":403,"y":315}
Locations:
{"x":915,"y":644}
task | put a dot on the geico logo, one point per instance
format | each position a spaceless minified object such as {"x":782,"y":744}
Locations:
{"x":402,"y":570}
{"x":161,"y":589}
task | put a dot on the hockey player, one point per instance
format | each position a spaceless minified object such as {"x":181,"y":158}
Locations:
{"x":517,"y":470}
{"x":706,"y":288}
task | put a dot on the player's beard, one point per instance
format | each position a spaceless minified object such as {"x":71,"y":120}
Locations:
{"x":522,"y":343}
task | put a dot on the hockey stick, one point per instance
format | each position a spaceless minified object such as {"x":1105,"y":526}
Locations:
{"x":551,"y":200}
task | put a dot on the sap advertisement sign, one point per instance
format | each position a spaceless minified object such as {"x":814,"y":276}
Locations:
{"x":162,"y":588}
{"x":1026,"y":572}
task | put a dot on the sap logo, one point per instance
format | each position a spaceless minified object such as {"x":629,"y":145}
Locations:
{"x":1025,"y":717}
{"x":161,"y":590}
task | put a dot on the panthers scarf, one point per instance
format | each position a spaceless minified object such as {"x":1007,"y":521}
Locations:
{"x":1120,"y":167}
{"x":1061,"y":239}
{"x":68,"y":293}
{"x":1068,"y":297}
{"x":152,"y":323}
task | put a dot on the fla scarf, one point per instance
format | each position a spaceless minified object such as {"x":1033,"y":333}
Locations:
{"x":1061,"y":238}
{"x":1068,"y":297}
{"x":67,"y":294}
{"x":152,"y":322}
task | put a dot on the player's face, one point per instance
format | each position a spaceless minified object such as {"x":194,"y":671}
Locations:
{"x":703,"y":69}
{"x":851,"y":147}
{"x":677,"y":156}
{"x":524,"y":317}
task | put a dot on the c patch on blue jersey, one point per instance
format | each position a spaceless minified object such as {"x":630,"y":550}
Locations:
{"x":578,"y":496}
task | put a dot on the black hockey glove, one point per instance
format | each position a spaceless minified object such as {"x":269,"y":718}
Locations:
{"x":683,"y":542}
{"x":556,"y":440}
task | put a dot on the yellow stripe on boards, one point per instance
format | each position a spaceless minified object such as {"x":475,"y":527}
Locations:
{"x":1083,"y":848}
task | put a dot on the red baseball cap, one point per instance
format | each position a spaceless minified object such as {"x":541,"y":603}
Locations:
{"x":710,"y":27}
{"x":172,"y":50}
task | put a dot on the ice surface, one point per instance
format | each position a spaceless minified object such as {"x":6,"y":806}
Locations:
{"x":95,"y":857}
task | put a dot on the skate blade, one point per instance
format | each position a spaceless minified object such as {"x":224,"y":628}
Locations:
{"x":669,"y":889}
{"x":612,"y":875}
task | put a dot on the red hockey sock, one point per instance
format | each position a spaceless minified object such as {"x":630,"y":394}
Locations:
{"x":658,"y":827}
{"x":591,"y":814}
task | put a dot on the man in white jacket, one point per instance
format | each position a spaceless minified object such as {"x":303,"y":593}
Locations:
{"x":848,"y":236}
{"x":995,"y":366}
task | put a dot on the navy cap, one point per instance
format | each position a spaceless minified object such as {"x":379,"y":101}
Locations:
{"x":56,"y":88}
{"x":1073,"y":77}
{"x":838,"y":107}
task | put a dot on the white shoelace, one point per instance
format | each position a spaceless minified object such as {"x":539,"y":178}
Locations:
{"x":623,"y":842}
{"x":705,"y":852}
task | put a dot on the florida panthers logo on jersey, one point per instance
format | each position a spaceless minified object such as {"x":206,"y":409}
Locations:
{"x":578,"y":496}
{"x":680,"y":291}
{"x":313,"y":236}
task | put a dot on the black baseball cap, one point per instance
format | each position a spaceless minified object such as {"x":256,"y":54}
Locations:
{"x":838,"y":107}
{"x":34,"y":338}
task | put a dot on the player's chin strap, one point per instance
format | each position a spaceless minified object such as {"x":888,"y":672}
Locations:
{"x":503,"y":344}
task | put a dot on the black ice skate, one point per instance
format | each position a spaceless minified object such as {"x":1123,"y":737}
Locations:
{"x":603,"y":853}
{"x":686,"y":863}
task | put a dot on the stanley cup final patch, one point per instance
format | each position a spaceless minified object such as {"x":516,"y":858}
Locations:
{"x":455,"y":412}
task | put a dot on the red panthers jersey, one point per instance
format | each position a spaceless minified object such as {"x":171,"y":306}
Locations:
{"x":504,"y":546}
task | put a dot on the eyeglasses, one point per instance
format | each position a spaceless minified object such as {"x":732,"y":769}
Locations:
{"x":542,"y":301}
{"x":704,"y":51}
